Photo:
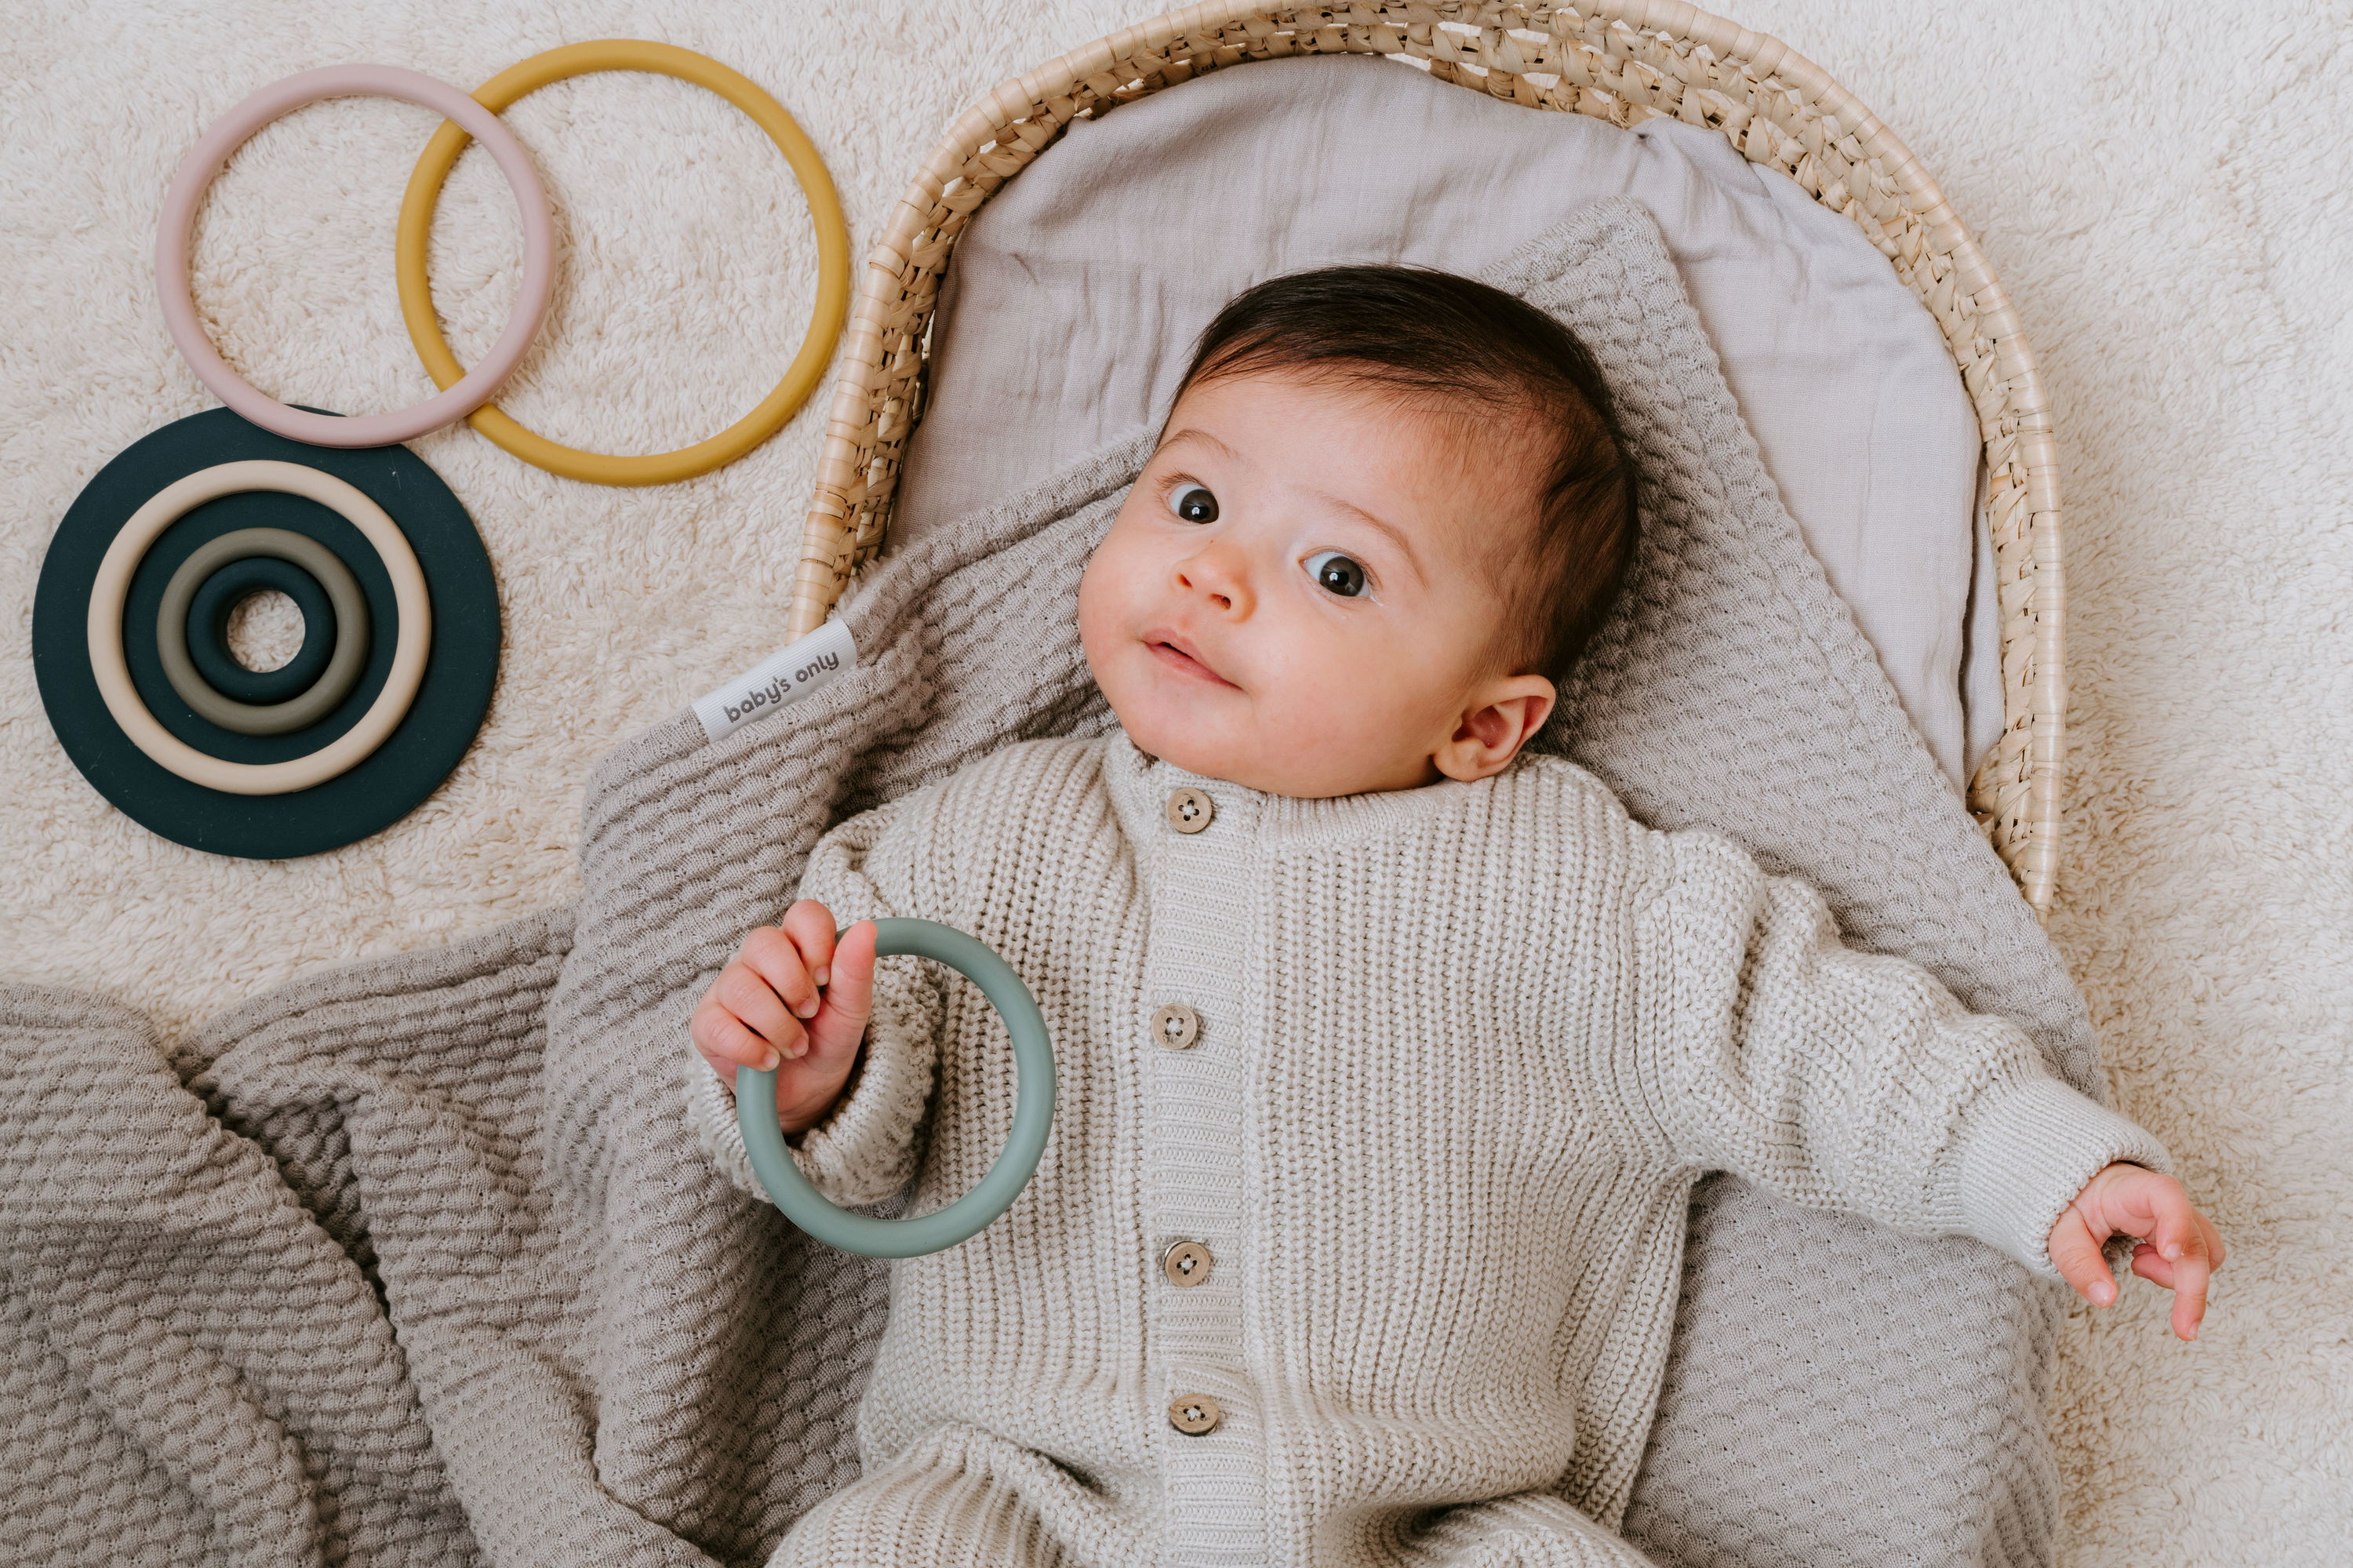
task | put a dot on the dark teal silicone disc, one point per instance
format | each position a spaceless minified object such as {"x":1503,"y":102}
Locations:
{"x":383,"y":787}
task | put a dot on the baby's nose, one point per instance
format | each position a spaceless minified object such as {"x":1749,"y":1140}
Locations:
{"x":1215,"y":579}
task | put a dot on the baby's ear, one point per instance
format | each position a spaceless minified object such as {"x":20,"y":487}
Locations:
{"x":1499,"y":717}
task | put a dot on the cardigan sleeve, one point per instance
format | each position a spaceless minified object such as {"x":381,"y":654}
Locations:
{"x":1844,"y":1079}
{"x":866,"y":1147}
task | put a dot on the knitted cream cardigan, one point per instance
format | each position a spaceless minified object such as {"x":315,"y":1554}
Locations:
{"x":1461,"y":1054}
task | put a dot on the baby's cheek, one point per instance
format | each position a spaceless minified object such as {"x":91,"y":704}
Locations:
{"x":1100,"y":610}
{"x":1365,"y":672}
{"x":1111,"y":625}
{"x":1119,"y":571}
{"x":1337,"y":695}
{"x":1370,"y":707}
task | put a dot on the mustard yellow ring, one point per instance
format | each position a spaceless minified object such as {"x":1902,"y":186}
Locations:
{"x":825,"y":207}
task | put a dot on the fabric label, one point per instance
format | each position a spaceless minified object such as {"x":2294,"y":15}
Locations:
{"x":789,"y":674}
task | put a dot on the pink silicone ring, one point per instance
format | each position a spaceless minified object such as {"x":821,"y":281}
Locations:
{"x":204,"y":159}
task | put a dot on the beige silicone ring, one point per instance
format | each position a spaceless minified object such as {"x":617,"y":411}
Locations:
{"x":112,"y":587}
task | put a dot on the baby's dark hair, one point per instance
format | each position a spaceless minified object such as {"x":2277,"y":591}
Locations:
{"x":1431,"y":336}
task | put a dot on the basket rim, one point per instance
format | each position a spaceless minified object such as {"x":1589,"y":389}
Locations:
{"x":897,"y":285}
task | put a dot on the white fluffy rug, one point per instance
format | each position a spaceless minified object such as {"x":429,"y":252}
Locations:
{"x":2160,"y":185}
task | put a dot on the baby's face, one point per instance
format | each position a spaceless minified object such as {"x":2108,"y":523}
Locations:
{"x":1301,"y":592}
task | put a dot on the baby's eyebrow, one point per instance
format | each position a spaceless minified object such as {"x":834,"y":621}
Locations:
{"x":1195,"y":433}
{"x":1397,"y":535}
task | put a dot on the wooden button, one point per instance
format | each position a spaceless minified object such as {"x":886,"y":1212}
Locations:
{"x":1194,"y":1413}
{"x":1189,"y":810}
{"x":1186,"y":1263}
{"x":1176,"y":1026}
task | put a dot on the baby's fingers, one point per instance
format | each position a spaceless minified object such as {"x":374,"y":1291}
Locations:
{"x":2214,"y":1249}
{"x":2076,"y":1254}
{"x":2180,"y":1240}
{"x":774,"y":955}
{"x":849,"y":992}
{"x":2190,"y":1276}
{"x":752,"y":1001}
{"x":810,"y":926}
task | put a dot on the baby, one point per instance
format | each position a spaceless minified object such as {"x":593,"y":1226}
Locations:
{"x":1389,"y":1049}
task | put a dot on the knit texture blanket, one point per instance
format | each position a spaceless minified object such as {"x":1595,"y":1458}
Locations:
{"x":417,"y":1260}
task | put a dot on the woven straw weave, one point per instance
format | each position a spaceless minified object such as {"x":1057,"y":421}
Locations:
{"x":1619,"y":60}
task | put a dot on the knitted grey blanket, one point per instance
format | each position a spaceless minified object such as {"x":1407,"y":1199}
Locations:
{"x":416,"y":1261}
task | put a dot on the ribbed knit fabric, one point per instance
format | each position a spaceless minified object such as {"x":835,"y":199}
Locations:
{"x":1464,"y":1051}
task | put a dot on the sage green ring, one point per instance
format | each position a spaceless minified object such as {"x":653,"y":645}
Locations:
{"x":1033,"y":1115}
{"x":326,"y":694}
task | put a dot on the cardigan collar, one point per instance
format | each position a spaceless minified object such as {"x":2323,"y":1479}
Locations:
{"x":1142,"y":785}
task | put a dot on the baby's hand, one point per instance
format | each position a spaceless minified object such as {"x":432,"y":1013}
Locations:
{"x":2181,"y":1250}
{"x":794,"y":1004}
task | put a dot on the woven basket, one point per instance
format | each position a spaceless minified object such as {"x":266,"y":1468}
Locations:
{"x":1619,"y":60}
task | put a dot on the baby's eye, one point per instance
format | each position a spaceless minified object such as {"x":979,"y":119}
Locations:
{"x":1193,"y":503}
{"x":1336,"y":573}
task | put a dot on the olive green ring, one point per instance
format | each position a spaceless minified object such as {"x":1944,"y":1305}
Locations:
{"x":343,"y":666}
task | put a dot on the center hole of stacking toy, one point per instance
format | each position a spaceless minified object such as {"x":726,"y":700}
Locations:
{"x":265,"y":631}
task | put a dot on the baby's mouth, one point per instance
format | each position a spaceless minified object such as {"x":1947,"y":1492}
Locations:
{"x":1174,"y":653}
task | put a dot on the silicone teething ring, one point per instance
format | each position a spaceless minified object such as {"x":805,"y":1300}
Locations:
{"x":1033,"y":1115}
{"x":825,"y":209}
{"x":461,"y":395}
{"x":112,"y":587}
{"x":323,"y":695}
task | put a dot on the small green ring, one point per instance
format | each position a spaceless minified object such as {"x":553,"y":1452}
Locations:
{"x":1033,"y":1114}
{"x":214,"y":606}
{"x":343,"y":666}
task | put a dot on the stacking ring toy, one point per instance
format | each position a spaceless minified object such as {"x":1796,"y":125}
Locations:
{"x":166,"y":507}
{"x":461,"y":395}
{"x":400,"y":632}
{"x":825,"y":208}
{"x":1033,"y":1115}
{"x":338,"y":605}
